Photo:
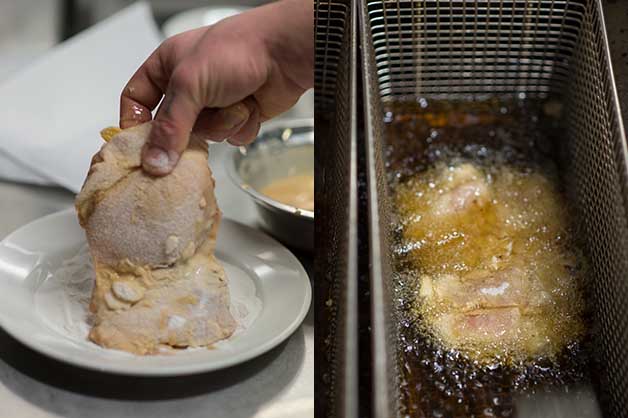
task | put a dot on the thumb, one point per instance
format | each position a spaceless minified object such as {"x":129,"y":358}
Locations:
{"x":170,"y":131}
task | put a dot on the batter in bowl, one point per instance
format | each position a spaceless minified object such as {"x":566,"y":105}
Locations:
{"x":295,"y":190}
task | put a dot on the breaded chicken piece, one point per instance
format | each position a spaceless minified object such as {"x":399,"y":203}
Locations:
{"x":152,"y":241}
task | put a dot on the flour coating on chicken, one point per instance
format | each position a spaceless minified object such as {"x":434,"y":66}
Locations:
{"x":158,"y":283}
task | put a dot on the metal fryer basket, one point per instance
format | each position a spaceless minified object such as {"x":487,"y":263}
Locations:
{"x":535,"y":49}
{"x":336,"y":210}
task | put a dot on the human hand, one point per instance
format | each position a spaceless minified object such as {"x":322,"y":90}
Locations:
{"x":221,"y":81}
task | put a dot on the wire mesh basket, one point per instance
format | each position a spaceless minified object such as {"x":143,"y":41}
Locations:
{"x":336,"y":210}
{"x":473,"y":50}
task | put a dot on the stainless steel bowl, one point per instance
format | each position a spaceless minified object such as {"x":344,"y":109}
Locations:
{"x":283,"y":148}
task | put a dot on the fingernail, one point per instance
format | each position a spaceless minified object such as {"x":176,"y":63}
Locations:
{"x":233,"y":116}
{"x":159,"y":161}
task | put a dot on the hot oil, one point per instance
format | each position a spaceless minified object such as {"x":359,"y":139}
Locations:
{"x":511,"y":147}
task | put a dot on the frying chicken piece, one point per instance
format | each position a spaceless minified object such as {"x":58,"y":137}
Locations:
{"x":496,"y":275}
{"x":485,"y":289}
{"x":481,"y":325}
{"x":484,"y":307}
{"x":152,"y":241}
{"x":464,"y":187}
{"x":490,"y":332}
{"x":435,"y":210}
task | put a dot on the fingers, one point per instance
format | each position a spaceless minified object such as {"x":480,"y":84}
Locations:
{"x":143,"y":92}
{"x":145,"y":89}
{"x":218,"y":124}
{"x":172,"y":125}
{"x":247,"y":133}
{"x":239,"y":123}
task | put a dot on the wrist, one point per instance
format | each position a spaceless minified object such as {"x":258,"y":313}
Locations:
{"x":288,"y":37}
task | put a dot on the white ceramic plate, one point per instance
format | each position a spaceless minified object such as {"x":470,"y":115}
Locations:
{"x":29,"y":256}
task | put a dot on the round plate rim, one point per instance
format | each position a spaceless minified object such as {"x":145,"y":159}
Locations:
{"x":172,"y":370}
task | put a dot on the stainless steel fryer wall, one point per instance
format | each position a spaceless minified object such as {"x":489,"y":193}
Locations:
{"x":336,"y":210}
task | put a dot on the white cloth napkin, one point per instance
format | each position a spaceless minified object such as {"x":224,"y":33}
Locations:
{"x":53,"y":110}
